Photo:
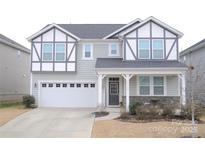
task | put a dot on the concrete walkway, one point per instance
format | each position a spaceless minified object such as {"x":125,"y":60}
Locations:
{"x":113,"y":113}
{"x":50,"y":122}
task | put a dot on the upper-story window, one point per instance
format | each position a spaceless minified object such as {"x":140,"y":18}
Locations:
{"x":144,"y":49}
{"x":87,"y":51}
{"x":47,"y":51}
{"x":60,"y":51}
{"x":113,"y":49}
{"x":157,"y":48}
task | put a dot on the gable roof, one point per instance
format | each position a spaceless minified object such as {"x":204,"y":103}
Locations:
{"x":101,"y":31}
{"x":12,"y":43}
{"x":123,"y":27}
{"x":193,"y":48}
{"x":91,"y":31}
{"x":46,"y":28}
{"x":151,"y":18}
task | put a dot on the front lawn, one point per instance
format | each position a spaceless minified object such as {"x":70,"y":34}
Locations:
{"x":9,"y":111}
{"x":160,"y":129}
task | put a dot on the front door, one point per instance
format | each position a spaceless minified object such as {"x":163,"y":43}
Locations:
{"x":113,"y":91}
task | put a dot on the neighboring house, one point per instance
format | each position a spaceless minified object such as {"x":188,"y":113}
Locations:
{"x":90,"y":65}
{"x":195,"y":80}
{"x":14,"y":70}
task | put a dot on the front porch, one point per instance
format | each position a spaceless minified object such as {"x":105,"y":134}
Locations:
{"x":115,"y":88}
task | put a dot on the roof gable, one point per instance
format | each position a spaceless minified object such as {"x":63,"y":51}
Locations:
{"x":162,"y":24}
{"x":50,"y":27}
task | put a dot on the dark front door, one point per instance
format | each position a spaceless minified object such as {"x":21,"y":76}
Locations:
{"x":114,"y":91}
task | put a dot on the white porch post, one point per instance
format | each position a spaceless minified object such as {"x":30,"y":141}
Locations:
{"x":100,"y":78}
{"x":183,"y":89}
{"x":127,"y":77}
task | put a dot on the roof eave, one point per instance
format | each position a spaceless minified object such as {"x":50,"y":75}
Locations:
{"x":49,"y":27}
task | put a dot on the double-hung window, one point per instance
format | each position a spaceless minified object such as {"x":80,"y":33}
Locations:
{"x":144,"y":48}
{"x":151,"y":85}
{"x":87,"y":51}
{"x":157,"y":48}
{"x":113,"y":51}
{"x":158,"y":85}
{"x":47,"y":51}
{"x":60,"y":51}
{"x":144,"y":85}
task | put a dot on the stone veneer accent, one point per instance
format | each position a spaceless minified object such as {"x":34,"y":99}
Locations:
{"x":154,"y":99}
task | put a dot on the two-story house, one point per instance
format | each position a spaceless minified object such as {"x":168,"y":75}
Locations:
{"x":101,"y":65}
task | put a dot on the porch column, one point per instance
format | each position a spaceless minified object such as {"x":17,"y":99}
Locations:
{"x":127,"y":77}
{"x":100,"y":78}
{"x":183,"y":88}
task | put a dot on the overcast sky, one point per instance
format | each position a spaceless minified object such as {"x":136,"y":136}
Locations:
{"x":21,"y":18}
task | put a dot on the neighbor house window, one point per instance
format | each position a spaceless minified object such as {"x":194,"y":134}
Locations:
{"x":47,"y":51}
{"x":144,"y":49}
{"x":60,"y":51}
{"x":87,"y":51}
{"x":158,"y":85}
{"x":157,"y":49}
{"x":113,"y":49}
{"x":144,"y":85}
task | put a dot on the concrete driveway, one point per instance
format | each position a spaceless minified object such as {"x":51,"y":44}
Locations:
{"x":50,"y":122}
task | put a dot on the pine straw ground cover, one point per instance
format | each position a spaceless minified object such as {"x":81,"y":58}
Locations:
{"x":158,"y":129}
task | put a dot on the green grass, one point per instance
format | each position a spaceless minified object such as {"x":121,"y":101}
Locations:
{"x":11,"y":105}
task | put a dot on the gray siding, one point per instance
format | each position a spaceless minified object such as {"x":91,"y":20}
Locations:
{"x":172,"y":86}
{"x":14,"y":73}
{"x":196,"y":59}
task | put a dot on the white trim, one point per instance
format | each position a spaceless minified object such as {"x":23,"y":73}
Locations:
{"x":139,"y":48}
{"x":110,"y":48}
{"x":120,"y":29}
{"x":49,"y":27}
{"x":64,"y":52}
{"x":151,"y":18}
{"x":91,"y":52}
{"x":162,"y":49}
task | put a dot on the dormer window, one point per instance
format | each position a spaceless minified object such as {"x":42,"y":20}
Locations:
{"x":47,"y":51}
{"x":113,"y":49}
{"x":157,"y":48}
{"x":144,"y":48}
{"x":60,"y":51}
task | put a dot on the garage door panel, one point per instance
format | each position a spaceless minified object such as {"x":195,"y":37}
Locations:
{"x":68,"y":96}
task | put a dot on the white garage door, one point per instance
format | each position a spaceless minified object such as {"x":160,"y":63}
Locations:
{"x":68,"y":94}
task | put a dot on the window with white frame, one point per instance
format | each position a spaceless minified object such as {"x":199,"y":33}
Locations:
{"x":47,"y":51}
{"x":60,"y":51}
{"x":157,"y":48}
{"x":158,"y":85}
{"x":151,"y":85}
{"x":113,"y":49}
{"x":144,"y":48}
{"x":144,"y":85}
{"x":87,"y":51}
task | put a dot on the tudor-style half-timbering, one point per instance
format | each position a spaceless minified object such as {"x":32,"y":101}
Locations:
{"x":53,"y":51}
{"x":151,"y":41}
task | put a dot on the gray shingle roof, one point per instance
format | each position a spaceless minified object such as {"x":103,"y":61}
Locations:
{"x":91,"y":31}
{"x":12,"y":43}
{"x":193,"y":48}
{"x":119,"y":63}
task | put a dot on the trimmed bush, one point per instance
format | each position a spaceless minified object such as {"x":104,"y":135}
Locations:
{"x":29,"y":101}
{"x":133,"y":107}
